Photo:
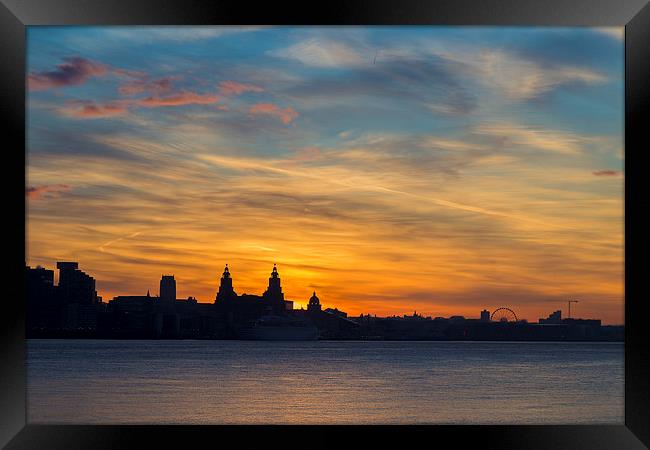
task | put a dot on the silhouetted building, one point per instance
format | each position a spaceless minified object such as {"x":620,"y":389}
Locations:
{"x":44,"y":309}
{"x":74,"y":285}
{"x":485,"y":315}
{"x":314,"y":303}
{"x":416,"y":316}
{"x":226,"y":291}
{"x":132,"y":316}
{"x":40,"y":279}
{"x":77,"y":292}
{"x":583,"y":322}
{"x":331,"y":323}
{"x":167,"y":291}
{"x":336,"y":312}
{"x":274,"y":296}
{"x":553,"y":318}
{"x":235,"y":310}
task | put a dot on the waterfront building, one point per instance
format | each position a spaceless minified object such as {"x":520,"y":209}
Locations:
{"x":274,"y":297}
{"x":314,"y":304}
{"x":77,"y":292}
{"x":336,"y":312}
{"x":553,"y":318}
{"x":236,"y":310}
{"x":331,"y":322}
{"x":76,"y":286}
{"x":226,"y":291}
{"x":44,"y":310}
{"x":132,"y":316}
{"x":167,"y":291}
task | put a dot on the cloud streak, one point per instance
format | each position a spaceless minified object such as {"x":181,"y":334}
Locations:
{"x":532,"y":138}
{"x":607,"y":173}
{"x":322,"y":53}
{"x":286,"y":115}
{"x":44,"y":191}
{"x":92,"y":110}
{"x":522,"y":79}
{"x":158,"y":86}
{"x":230,"y":87}
{"x":178,"y":99}
{"x":88,"y":109}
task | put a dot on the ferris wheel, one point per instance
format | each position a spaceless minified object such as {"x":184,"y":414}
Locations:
{"x":503,"y":314}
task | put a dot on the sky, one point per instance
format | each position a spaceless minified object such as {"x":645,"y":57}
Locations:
{"x":435,"y":169}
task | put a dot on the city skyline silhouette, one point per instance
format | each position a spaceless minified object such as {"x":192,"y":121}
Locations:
{"x":226,"y":291}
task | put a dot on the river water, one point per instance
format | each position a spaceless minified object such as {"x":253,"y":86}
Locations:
{"x":323,"y":382}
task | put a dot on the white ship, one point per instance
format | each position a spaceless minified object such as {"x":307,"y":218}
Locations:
{"x":277,"y":328}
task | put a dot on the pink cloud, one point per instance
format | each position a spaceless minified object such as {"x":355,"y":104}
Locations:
{"x":74,"y":71}
{"x":92,"y":110}
{"x":234,"y":88}
{"x":287,"y":115}
{"x":182,"y":98}
{"x":606,"y":173}
{"x":87,"y":109}
{"x":157,"y":87}
{"x":36,"y":192}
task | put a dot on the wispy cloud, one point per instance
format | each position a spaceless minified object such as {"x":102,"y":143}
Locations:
{"x":102,"y":248}
{"x":230,"y":87}
{"x":92,"y":110}
{"x":430,"y":83}
{"x":531,"y":137}
{"x":156,"y":86}
{"x":322,"y":53}
{"x":72,"y":72}
{"x":37,"y":192}
{"x":523,"y":79}
{"x":607,"y":173}
{"x":178,"y":99}
{"x":286,"y":115}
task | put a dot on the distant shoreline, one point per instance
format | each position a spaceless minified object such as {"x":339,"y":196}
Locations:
{"x":116,"y":338}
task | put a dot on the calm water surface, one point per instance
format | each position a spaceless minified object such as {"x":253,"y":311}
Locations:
{"x":213,"y":382}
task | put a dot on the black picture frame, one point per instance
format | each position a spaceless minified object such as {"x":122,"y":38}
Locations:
{"x":15,"y":15}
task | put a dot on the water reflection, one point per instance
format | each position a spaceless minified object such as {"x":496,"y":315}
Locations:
{"x":196,"y":382}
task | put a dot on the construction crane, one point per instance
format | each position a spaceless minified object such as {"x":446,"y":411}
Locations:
{"x":569,"y":302}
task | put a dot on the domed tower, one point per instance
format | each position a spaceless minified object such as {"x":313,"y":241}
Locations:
{"x":226,"y":292}
{"x":314,"y":304}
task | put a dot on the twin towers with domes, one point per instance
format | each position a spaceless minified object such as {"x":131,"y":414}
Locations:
{"x":272,"y":301}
